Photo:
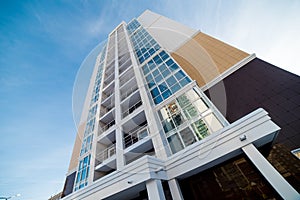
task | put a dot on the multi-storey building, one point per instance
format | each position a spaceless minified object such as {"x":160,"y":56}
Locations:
{"x":173,"y":113}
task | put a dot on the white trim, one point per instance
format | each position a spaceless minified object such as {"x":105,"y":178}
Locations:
{"x":229,"y":71}
{"x":285,"y":190}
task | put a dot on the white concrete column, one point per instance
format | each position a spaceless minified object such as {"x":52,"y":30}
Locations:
{"x":175,"y":189}
{"x":118,"y":112}
{"x":285,"y":190}
{"x":155,"y":190}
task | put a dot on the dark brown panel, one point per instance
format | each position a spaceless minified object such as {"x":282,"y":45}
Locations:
{"x":69,"y":183}
{"x":260,"y":84}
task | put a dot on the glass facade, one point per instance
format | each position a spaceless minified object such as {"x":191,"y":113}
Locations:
{"x":87,"y":140}
{"x":83,"y":173}
{"x":163,"y":77}
{"x":187,"y":119}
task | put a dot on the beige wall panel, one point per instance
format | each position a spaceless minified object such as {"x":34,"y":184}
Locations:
{"x":76,"y":148}
{"x":204,"y":57}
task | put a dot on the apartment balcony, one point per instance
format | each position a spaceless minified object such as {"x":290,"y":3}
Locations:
{"x":106,"y":122}
{"x":124,"y":66}
{"x":135,"y":136}
{"x":106,"y":159}
{"x":109,"y":78}
{"x":132,"y":109}
{"x":126,"y":92}
{"x":126,"y":77}
{"x":109,"y":89}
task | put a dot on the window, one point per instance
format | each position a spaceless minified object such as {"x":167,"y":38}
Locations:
{"x":187,"y":107}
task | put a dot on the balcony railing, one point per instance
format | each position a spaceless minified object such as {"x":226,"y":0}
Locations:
{"x":128,"y":92}
{"x":136,"y":136}
{"x":106,"y":109}
{"x":105,"y":154}
{"x":106,"y":127}
{"x":131,"y":109}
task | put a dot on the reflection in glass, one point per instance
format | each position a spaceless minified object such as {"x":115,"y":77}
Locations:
{"x":175,"y":143}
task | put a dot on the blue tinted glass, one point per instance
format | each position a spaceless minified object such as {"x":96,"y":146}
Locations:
{"x":158,"y":78}
{"x":179,"y":75}
{"x":166,"y":73}
{"x":163,"y":86}
{"x":175,"y":88}
{"x":149,"y":78}
{"x":163,"y":55}
{"x":170,"y":62}
{"x":151,"y":65}
{"x":141,"y":59}
{"x":166,"y":94}
{"x":162,"y":68}
{"x":151,"y":51}
{"x":174,"y":67}
{"x":156,"y":47}
{"x":157,"y":60}
{"x":171,"y":81}
{"x":158,"y":99}
{"x":151,"y":84}
{"x":185,"y":81}
{"x":154,"y":92}
{"x":145,"y":69}
{"x":155,"y":72}
{"x":147,"y":55}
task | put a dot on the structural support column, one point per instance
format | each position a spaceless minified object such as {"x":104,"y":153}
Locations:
{"x":155,"y":190}
{"x":175,"y":189}
{"x":285,"y":190}
{"x":118,"y":111}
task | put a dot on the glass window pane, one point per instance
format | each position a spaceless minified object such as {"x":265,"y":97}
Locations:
{"x":175,"y":88}
{"x":154,"y":92}
{"x":170,"y":62}
{"x":178,"y":119}
{"x":174,"y":67}
{"x":163,"y":86}
{"x":200,"y":105}
{"x":179,"y":75}
{"x":158,"y":78}
{"x":163,"y":55}
{"x":162,"y":67}
{"x":155,"y":72}
{"x":163,"y":114}
{"x":166,"y":94}
{"x":171,"y":81}
{"x":151,"y":65}
{"x":200,"y":129}
{"x":175,"y":143}
{"x":168,"y":125}
{"x":213,"y":122}
{"x":158,"y":99}
{"x":185,"y":81}
{"x":166,"y":73}
{"x":187,"y":136}
{"x":149,"y":78}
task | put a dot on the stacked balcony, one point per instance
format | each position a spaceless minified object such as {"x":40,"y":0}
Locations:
{"x":136,"y":141}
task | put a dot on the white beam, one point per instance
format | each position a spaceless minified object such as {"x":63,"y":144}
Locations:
{"x":285,"y":190}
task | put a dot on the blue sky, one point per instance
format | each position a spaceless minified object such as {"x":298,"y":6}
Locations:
{"x":43,"y":43}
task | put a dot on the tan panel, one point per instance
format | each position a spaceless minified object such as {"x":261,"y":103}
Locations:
{"x":76,"y":148}
{"x":204,"y":57}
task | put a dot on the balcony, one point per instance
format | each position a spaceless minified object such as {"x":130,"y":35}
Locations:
{"x":136,"y":135}
{"x":106,"y":126}
{"x":124,"y":66}
{"x":106,"y":159}
{"x":131,"y":109}
{"x":128,"y":92}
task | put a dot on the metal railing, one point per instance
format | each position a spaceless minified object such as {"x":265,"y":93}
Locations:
{"x":132,"y":108}
{"x":128,"y":92}
{"x":105,"y":154}
{"x":136,"y":136}
{"x":127,"y":79}
{"x":104,"y":128}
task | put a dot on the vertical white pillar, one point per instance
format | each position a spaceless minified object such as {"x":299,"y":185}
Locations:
{"x":175,"y":189}
{"x":285,"y":190}
{"x":118,"y":112}
{"x":155,"y":190}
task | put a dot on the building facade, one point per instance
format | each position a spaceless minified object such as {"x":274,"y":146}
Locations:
{"x":172,"y":113}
